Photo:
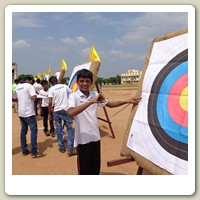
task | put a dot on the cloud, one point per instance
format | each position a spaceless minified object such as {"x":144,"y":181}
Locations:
{"x":74,"y":41}
{"x":57,"y":16}
{"x":161,"y":20}
{"x":155,"y":20}
{"x":49,"y":38}
{"x":21,"y":44}
{"x":56,"y":50}
{"x":128,"y":56}
{"x":85,"y":52}
{"x":147,"y":26}
{"x":121,"y":54}
{"x":140,"y":34}
{"x":96,"y":18}
{"x":30,"y":20}
{"x":81,"y":39}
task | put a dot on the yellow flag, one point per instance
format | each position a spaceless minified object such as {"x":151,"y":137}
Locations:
{"x":64,"y":65}
{"x":39,"y":75}
{"x":49,"y":70}
{"x":93,"y":54}
{"x":45,"y":73}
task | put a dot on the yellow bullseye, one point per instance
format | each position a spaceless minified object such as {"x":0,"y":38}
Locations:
{"x":184,"y":99}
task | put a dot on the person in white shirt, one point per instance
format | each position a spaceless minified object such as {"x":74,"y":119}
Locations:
{"x":14,"y":85}
{"x":44,"y":108}
{"x":25,"y":95}
{"x":83,"y":107}
{"x":37,"y":86}
{"x":58,"y":94}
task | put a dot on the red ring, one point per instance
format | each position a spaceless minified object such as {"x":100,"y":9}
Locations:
{"x":177,"y":113}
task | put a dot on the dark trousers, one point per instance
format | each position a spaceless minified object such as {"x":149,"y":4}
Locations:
{"x":32,"y":123}
{"x":89,"y":159}
{"x":45,"y":120}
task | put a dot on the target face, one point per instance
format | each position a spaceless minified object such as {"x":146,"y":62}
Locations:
{"x":159,"y":131}
{"x":73,"y":85}
{"x":167,"y":108}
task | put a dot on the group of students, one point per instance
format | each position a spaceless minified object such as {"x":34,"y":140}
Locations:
{"x":66,"y":106}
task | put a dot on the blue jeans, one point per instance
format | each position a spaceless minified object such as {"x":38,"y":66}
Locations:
{"x":58,"y":117}
{"x":32,"y":123}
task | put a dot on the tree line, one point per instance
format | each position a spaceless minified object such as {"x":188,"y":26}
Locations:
{"x":111,"y":80}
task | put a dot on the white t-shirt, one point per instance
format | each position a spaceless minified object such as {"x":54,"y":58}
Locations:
{"x":24,"y":92}
{"x":59,"y":93}
{"x":37,"y":87}
{"x":86,"y":123}
{"x":45,"y":100}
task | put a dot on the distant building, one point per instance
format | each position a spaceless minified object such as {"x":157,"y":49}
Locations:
{"x":14,"y":71}
{"x":130,"y":77}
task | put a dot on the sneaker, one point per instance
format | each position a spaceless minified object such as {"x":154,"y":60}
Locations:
{"x":46,"y":133}
{"x":72,"y":152}
{"x":62,"y":150}
{"x":26,"y":153}
{"x":52,"y":134}
{"x":38,"y":155}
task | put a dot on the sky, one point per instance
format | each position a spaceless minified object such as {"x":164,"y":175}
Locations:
{"x":121,"y":39}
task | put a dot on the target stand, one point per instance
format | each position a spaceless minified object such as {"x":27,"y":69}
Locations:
{"x":124,"y":161}
{"x":107,"y":120}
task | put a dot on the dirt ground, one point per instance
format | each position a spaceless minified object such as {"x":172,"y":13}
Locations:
{"x":56,"y":163}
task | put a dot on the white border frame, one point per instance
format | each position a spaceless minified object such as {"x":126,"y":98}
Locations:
{"x":99,"y":185}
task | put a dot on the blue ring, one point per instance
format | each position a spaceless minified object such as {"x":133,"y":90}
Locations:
{"x":73,"y":81}
{"x":176,"y":131}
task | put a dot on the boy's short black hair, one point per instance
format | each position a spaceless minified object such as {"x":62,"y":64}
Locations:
{"x":44,"y":82}
{"x":16,"y":81}
{"x":53,"y":80}
{"x":85,"y":73}
{"x":21,"y":80}
{"x":27,"y":78}
{"x":38,"y":80}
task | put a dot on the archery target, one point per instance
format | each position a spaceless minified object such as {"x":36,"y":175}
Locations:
{"x":159,"y":131}
{"x":166,"y":116}
{"x":73,"y":84}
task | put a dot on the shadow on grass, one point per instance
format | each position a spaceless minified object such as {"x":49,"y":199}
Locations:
{"x":42,"y":146}
{"x":106,"y":132}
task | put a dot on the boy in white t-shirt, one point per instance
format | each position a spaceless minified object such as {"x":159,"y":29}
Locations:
{"x":25,"y":95}
{"x":58,"y":94}
{"x":83,"y":107}
{"x":44,"y":107}
{"x":37,"y":86}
